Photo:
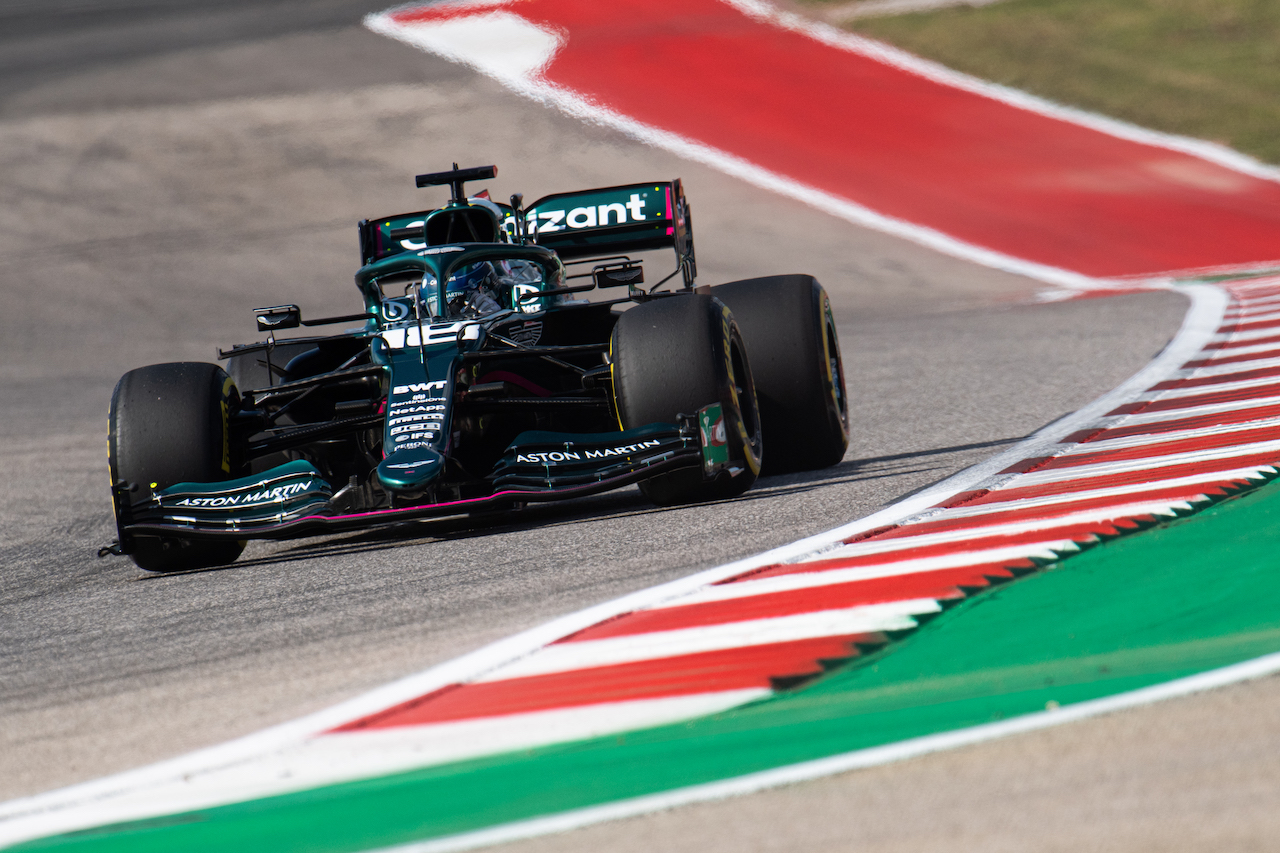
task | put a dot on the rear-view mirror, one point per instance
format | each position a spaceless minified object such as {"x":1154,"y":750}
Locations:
{"x":278,"y":317}
{"x":619,"y":275}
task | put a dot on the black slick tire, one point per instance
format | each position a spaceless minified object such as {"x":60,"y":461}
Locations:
{"x":673,"y":356}
{"x":791,"y":339}
{"x":168,"y":425}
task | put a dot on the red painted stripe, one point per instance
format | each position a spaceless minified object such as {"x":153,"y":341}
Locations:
{"x":1245,"y":342}
{"x":987,"y":569}
{"x":1233,"y":416}
{"x":1248,"y":327}
{"x":1016,"y":181}
{"x":1218,"y":361}
{"x":939,"y":585}
{"x":1082,"y":533}
{"x":1130,"y":478}
{"x":1245,"y":308}
{"x":706,"y":672}
{"x":1017,"y":513}
{"x":1269,"y":432}
{"x":1194,"y":400}
{"x":1195,"y":381}
{"x":1245,"y":315}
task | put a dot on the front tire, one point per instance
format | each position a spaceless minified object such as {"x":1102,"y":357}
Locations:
{"x":672,"y":357}
{"x":791,"y":338}
{"x":169,"y":425}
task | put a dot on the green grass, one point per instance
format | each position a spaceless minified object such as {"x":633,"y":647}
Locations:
{"x":1183,"y":598}
{"x":1203,"y":68}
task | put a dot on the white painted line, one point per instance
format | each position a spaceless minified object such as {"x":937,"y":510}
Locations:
{"x":1244,"y":305}
{"x":1052,"y":512}
{"x":363,"y":754}
{"x":1148,"y":439}
{"x":341,"y":758}
{"x":1212,"y":152}
{"x":1234,"y":367}
{"x":1153,"y":463}
{"x":1245,"y":309}
{"x":881,"y":8}
{"x":1260,"y":288}
{"x":867,"y":619}
{"x":1195,"y":481}
{"x":1251,"y":316}
{"x":1215,"y":388}
{"x":1044,"y":552}
{"x":1212,"y":379}
{"x":1239,"y":351}
{"x":1235,"y":337}
{"x":487,"y":58}
{"x":80,"y":806}
{"x":1047,"y":523}
{"x":857,"y":760}
{"x":1196,"y":411}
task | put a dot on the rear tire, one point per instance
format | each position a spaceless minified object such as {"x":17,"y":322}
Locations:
{"x":169,"y":425}
{"x":791,"y":338}
{"x":671,"y":357}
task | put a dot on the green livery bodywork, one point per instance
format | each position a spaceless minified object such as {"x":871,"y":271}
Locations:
{"x":434,"y":405}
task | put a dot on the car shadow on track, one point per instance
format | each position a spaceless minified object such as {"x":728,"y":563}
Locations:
{"x":627,"y":503}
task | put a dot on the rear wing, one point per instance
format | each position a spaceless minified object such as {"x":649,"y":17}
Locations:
{"x":612,"y":220}
{"x":597,"y":223}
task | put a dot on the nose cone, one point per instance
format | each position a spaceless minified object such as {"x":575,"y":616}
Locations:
{"x":410,"y":472}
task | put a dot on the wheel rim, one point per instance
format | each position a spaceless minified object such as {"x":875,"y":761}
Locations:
{"x":744,"y":399}
{"x":835,"y":367}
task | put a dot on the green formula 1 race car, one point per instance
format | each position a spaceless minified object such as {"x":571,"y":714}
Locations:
{"x":478,"y":378}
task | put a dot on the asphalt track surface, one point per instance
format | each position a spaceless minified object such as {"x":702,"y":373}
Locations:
{"x":165,"y":167}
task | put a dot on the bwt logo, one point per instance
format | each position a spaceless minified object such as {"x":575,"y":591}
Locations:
{"x":418,"y":388}
{"x":588,"y":217}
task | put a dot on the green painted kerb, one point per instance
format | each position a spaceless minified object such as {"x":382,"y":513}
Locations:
{"x":1170,"y":602}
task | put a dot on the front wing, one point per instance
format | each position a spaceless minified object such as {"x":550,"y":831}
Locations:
{"x":293,"y":500}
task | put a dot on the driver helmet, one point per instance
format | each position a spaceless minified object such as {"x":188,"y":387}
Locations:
{"x":467,"y":279}
{"x":502,"y":217}
{"x":466,"y":290}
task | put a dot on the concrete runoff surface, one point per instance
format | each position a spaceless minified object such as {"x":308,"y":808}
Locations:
{"x":167,"y":170}
{"x":1197,"y":773}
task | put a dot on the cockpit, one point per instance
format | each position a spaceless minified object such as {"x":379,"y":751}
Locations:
{"x":471,"y":291}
